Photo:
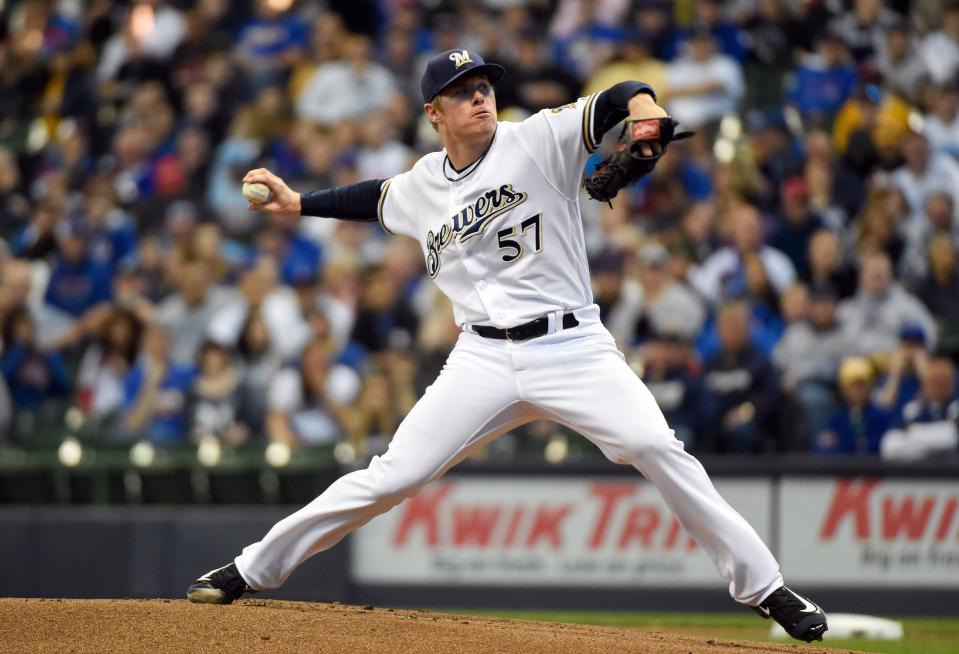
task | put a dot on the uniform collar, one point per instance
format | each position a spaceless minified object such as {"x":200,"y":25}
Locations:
{"x":468,"y":170}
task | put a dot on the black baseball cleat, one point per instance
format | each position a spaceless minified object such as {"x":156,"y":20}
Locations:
{"x":801,"y":619}
{"x":220,"y":586}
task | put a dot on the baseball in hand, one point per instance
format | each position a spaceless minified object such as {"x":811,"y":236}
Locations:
{"x":257,"y":193}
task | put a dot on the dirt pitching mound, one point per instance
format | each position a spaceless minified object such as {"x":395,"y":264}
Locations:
{"x":167,"y":626}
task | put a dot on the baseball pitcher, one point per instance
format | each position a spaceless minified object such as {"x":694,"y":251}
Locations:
{"x":497,"y":215}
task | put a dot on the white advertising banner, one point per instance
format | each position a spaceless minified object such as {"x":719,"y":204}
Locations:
{"x":543,"y":531}
{"x":870,"y":532}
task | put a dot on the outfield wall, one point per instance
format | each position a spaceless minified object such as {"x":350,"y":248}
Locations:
{"x":864,"y":539}
{"x":607,"y":532}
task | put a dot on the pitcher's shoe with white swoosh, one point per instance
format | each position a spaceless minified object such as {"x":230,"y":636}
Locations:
{"x":802,"y":619}
{"x":220,"y":586}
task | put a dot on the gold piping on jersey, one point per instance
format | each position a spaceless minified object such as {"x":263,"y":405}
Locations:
{"x":588,"y":141}
{"x":379,"y":206}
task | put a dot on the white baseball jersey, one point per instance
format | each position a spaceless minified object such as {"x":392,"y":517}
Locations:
{"x":505,"y":240}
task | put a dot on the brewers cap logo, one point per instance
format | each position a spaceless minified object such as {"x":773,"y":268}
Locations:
{"x":461,"y":58}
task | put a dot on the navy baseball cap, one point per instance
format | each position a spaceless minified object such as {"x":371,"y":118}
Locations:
{"x":447,"y":67}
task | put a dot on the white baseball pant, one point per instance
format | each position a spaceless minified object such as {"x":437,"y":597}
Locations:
{"x":575,"y":377}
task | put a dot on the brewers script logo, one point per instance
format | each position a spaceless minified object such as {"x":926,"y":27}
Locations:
{"x":461,"y":58}
{"x":470,"y":221}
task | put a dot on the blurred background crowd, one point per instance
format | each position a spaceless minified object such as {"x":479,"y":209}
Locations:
{"x":785,"y":281}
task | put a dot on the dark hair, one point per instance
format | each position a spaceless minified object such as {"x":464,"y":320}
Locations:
{"x":136,"y":325}
{"x":242,"y":343}
{"x":301,"y":364}
{"x":10,"y":323}
{"x":211,"y":346}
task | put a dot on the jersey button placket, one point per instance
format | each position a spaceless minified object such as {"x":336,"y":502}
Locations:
{"x":471,"y":253}
{"x":457,"y":200}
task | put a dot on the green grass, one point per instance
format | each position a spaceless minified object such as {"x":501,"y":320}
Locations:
{"x":922,"y":635}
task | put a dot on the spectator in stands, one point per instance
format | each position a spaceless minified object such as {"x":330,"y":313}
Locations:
{"x":702,"y":84}
{"x":222,"y":257}
{"x":257,"y":292}
{"x":259,"y":364}
{"x":900,"y":63}
{"x":305,"y":403}
{"x":939,"y":291}
{"x":937,"y":220}
{"x":140,"y":280}
{"x":655,"y":20}
{"x":723,"y":274}
{"x":862,"y":29}
{"x":293,"y":251}
{"x":586,"y":35}
{"x":78,"y":282}
{"x":875,"y":229}
{"x":693,"y":240}
{"x":113,"y":232}
{"x":797,"y":226}
{"x":14,"y":206}
{"x":874,"y":317}
{"x":823,"y":81}
{"x":744,"y":384}
{"x":634,"y":60}
{"x":203,"y":117}
{"x":187,"y":313}
{"x":538,"y":81}
{"x":381,"y":155}
{"x":156,"y":392}
{"x":384,"y":319}
{"x":758,"y":290}
{"x":165,"y":28}
{"x":808,"y":357}
{"x":859,"y":425}
{"x":925,"y":173}
{"x":33,"y":376}
{"x":772,"y":36}
{"x":940,"y":49}
{"x":18,"y":289}
{"x":906,"y":368}
{"x":929,"y":425}
{"x":106,"y":363}
{"x":37,"y":240}
{"x":938,"y":399}
{"x":709,"y":16}
{"x":617,"y":297}
{"x":826,"y":267}
{"x":672,"y":376}
{"x":941,"y":125}
{"x":773,"y":154}
{"x":667,"y":305}
{"x":347,"y":89}
{"x":271,"y":44}
{"x":214,"y":400}
{"x":836,"y":192}
{"x":379,"y":408}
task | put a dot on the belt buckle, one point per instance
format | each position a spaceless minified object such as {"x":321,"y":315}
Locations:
{"x":509,"y":335}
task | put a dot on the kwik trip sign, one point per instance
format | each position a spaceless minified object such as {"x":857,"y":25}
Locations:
{"x":509,"y":531}
{"x":870,"y":532}
{"x":506,"y":531}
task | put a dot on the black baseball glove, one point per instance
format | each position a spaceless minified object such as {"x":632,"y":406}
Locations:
{"x":628,"y":164}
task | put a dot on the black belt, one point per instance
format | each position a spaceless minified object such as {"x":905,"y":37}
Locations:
{"x":526,"y":331}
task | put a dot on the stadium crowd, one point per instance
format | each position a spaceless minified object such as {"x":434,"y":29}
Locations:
{"x":785,"y":281}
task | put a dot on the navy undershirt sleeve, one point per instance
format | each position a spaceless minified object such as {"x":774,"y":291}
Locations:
{"x":351,"y":202}
{"x":612,"y":105}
